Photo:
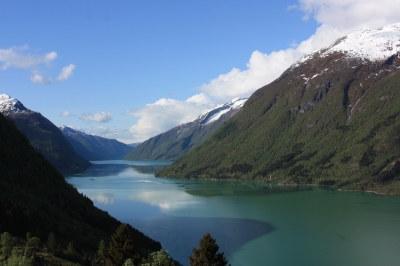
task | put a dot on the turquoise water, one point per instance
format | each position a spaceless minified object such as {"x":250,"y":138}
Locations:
{"x":253,"y":223}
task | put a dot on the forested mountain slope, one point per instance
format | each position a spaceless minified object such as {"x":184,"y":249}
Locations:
{"x":34,"y":197}
{"x":332,"y":118}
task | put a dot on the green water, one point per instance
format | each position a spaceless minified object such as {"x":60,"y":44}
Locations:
{"x":253,"y":223}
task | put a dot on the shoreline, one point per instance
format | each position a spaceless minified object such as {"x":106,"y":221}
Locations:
{"x":284,"y":184}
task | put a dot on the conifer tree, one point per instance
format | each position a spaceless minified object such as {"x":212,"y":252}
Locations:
{"x":52,"y":242}
{"x":206,"y":254}
{"x":122,"y":247}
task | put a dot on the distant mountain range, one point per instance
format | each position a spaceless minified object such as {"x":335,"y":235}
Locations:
{"x":95,"y":148}
{"x":332,"y":118}
{"x":43,"y":135}
{"x":176,"y":142}
{"x":134,"y":145}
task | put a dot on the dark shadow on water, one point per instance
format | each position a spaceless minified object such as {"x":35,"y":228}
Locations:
{"x":178,"y":235}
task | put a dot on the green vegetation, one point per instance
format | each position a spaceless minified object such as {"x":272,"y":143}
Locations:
{"x":122,"y":251}
{"x":34,"y":197}
{"x":339,"y":129}
{"x":207,"y":253}
{"x":122,"y":247}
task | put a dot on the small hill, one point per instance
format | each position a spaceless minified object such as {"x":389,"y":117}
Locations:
{"x":95,"y":148}
{"x":34,"y":197}
{"x":175,"y":143}
{"x":44,"y":136}
{"x":332,"y":118}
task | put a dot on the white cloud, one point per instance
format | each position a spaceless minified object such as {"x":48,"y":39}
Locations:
{"x":15,"y":57}
{"x":101,"y":117}
{"x":66,"y":114}
{"x":165,"y":114}
{"x":66,"y":72}
{"x":37,"y":78}
{"x":335,"y":17}
{"x":349,"y":15}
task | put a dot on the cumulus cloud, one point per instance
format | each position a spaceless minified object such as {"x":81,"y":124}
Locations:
{"x":101,"y":117}
{"x":37,"y":78}
{"x":66,"y":114}
{"x":165,"y":114}
{"x":66,"y":72}
{"x":15,"y":57}
{"x":351,"y":14}
{"x":18,"y":57}
{"x":336,"y":19}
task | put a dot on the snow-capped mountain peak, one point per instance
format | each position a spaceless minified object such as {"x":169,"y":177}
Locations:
{"x":214,"y":114}
{"x":10,"y":105}
{"x":373,"y":45}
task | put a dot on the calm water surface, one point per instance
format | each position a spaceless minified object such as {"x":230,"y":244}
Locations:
{"x":253,"y":223}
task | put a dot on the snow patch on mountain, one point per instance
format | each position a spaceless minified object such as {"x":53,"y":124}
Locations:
{"x":373,"y":45}
{"x":217,"y":112}
{"x":10,"y":105}
{"x":70,"y":131}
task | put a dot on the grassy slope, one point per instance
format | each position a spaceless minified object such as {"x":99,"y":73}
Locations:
{"x":273,"y":138}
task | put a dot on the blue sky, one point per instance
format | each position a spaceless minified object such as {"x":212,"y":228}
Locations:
{"x":133,"y":69}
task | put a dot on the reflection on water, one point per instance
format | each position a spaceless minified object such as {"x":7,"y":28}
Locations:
{"x":164,"y":199}
{"x":104,"y":198}
{"x":225,"y":188}
{"x":253,"y":223}
{"x":119,"y":167}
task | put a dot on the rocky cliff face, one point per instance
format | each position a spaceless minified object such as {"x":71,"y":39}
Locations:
{"x":176,"y":142}
{"x":43,"y":135}
{"x":332,"y":118}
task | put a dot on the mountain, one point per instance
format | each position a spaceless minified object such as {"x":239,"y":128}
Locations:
{"x":34,"y":197}
{"x":94,"y":148}
{"x":332,"y":118}
{"x":176,"y":142}
{"x":43,"y":135}
{"x":134,"y":145}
